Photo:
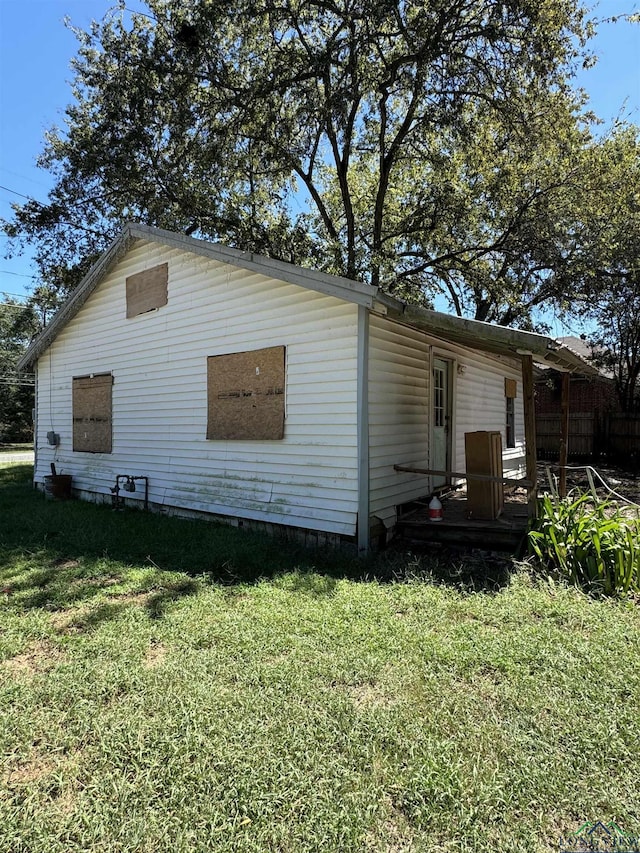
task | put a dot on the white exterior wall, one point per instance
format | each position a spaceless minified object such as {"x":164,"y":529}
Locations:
{"x":399,"y":413}
{"x":400,"y":409}
{"x":481,"y":405}
{"x":159,"y":364}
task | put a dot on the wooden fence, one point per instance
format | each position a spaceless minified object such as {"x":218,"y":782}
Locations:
{"x":591,"y":436}
{"x":622,"y":436}
{"x":583,"y":432}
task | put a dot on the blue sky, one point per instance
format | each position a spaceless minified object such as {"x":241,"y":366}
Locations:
{"x":36,"y":49}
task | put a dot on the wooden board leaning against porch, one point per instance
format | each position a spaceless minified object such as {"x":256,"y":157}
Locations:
{"x":458,"y":475}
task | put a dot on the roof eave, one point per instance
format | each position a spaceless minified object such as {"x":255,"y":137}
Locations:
{"x":342,"y":288}
{"x":499,"y":340}
{"x":109,"y":258}
{"x":332,"y":285}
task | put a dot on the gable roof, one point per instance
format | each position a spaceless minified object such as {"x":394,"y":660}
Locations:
{"x":488,"y":337}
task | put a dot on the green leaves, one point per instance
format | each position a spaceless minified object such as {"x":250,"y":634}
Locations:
{"x":18,"y":324}
{"x":433,"y":149}
{"x":589,"y":543}
{"x":610,"y":259}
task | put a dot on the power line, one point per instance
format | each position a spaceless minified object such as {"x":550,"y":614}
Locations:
{"x":23,"y":177}
{"x":18,"y":295}
{"x":21,"y":195}
{"x":62,"y":222}
{"x":15,"y":306}
{"x":19,"y":274}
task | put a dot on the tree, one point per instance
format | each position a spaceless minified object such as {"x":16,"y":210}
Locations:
{"x":501,"y":231}
{"x":607,"y":262}
{"x":411,"y":145}
{"x":618,"y":340}
{"x":18,"y":324}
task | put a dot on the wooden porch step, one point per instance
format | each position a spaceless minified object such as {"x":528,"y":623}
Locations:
{"x":508,"y":538}
{"x":506,"y":532}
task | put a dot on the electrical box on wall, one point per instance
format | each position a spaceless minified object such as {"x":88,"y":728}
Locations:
{"x":53,"y":438}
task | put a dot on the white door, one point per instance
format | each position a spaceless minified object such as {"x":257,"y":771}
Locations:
{"x":441,"y":420}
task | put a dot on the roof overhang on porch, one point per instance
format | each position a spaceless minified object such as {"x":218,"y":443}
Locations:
{"x":488,"y":337}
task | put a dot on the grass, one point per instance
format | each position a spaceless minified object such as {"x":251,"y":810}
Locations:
{"x":172,"y":685}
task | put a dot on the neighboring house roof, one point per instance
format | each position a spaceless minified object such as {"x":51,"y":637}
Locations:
{"x":473,"y":333}
{"x":585,"y":349}
{"x":582,"y":348}
{"x":579,"y":345}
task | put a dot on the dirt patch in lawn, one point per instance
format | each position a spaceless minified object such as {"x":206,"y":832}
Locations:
{"x":98,"y":583}
{"x":366,"y":696}
{"x":37,"y":769}
{"x":76,"y":620}
{"x":155,"y":655}
{"x":395,"y":836}
{"x":66,"y":621}
{"x":29,"y":772}
{"x":137,"y":598}
{"x":39,"y":656}
{"x":64,"y":563}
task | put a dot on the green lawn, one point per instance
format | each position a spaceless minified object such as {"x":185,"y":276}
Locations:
{"x":171,"y":685}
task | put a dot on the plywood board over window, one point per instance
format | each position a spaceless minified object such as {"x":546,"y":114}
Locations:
{"x":92,"y":413}
{"x":147,"y":290}
{"x":245,"y":395}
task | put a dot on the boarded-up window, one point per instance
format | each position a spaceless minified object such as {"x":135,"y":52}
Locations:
{"x":92,"y":413}
{"x":147,"y":290}
{"x":245,"y":395}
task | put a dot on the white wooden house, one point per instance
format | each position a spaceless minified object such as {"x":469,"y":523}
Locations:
{"x":260,"y":392}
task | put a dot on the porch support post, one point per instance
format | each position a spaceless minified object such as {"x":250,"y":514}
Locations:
{"x":528,"y":400}
{"x":564,"y":435}
{"x":363,"y":429}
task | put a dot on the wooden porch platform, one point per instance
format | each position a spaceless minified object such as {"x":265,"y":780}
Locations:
{"x":456,"y":528}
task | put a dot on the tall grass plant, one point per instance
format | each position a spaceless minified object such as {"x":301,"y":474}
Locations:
{"x":588,"y":542}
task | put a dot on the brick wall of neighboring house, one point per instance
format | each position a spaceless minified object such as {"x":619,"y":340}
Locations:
{"x":585,"y":394}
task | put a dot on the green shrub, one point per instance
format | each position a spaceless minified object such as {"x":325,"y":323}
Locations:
{"x":589,"y":543}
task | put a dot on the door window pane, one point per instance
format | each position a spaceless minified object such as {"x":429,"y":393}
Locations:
{"x":439,"y":379}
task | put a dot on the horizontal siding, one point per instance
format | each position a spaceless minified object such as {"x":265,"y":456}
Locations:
{"x":480,"y":403}
{"x":159,"y":363}
{"x":400,"y":408}
{"x":398,"y":413}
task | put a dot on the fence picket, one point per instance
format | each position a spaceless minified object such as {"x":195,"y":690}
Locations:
{"x":591,"y":435}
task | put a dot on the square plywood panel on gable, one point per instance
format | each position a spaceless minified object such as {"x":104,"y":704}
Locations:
{"x":147,"y":290}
